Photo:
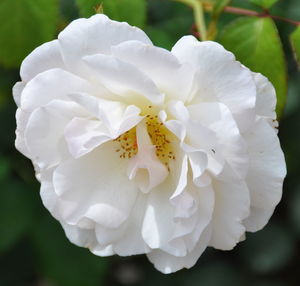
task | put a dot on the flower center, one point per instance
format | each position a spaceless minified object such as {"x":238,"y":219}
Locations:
{"x":160,"y":137}
{"x":127,"y":144}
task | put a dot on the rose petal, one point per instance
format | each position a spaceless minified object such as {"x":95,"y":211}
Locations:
{"x":266,"y":173}
{"x":95,"y":35}
{"x":219,"y":77}
{"x":108,"y":195}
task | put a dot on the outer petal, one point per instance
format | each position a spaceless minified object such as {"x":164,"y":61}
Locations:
{"x":17,"y":91}
{"x":170,"y":76}
{"x":132,"y":241}
{"x":266,"y":173}
{"x":266,"y":99}
{"x":44,"y":88}
{"x":167,"y":263}
{"x":86,"y":238}
{"x":44,"y":57}
{"x":232,"y":205}
{"x":108,"y":195}
{"x":127,"y":239}
{"x":22,"y":119}
{"x":45,"y":129}
{"x":219,"y":77}
{"x":95,"y":35}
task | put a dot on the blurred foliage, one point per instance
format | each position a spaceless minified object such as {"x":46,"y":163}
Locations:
{"x":24,"y":25}
{"x":33,"y":247}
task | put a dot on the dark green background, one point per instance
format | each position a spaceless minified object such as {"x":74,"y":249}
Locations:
{"x":33,"y":248}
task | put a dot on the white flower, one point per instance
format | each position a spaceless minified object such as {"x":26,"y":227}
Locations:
{"x":142,"y":150}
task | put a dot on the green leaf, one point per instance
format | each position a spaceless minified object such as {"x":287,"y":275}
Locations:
{"x":256,"y":43}
{"x":295,"y":42}
{"x":266,"y":4}
{"x":62,"y":262}
{"x":24,"y":25}
{"x":131,"y":11}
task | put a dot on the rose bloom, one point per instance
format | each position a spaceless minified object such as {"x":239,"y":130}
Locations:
{"x":143,"y":150}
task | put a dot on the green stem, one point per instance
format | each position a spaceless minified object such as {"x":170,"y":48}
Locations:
{"x":199,"y":19}
{"x":246,"y":12}
{"x":198,"y":15}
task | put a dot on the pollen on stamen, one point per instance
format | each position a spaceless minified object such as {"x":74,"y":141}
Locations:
{"x":159,"y":135}
{"x":128,"y":145}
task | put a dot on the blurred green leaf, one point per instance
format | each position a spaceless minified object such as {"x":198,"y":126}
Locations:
{"x":268,"y":250}
{"x":62,"y":262}
{"x":295,"y":42}
{"x":256,"y":43}
{"x":131,"y":11}
{"x":267,"y":4}
{"x":17,"y":212}
{"x":25,"y":25}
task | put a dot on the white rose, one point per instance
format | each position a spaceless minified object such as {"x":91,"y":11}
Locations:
{"x":142,"y":150}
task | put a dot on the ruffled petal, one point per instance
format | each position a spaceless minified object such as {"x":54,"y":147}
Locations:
{"x":123,"y":79}
{"x":127,"y":239}
{"x":108,"y":195}
{"x":167,"y":263}
{"x":227,"y":144}
{"x":174,"y":220}
{"x":22,"y":119}
{"x":219,"y":77}
{"x":43,"y":88}
{"x":159,"y":225}
{"x":95,"y":35}
{"x":112,"y":119}
{"x":84,"y":135}
{"x":45,"y":57}
{"x":171,"y":77}
{"x":45,"y":127}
